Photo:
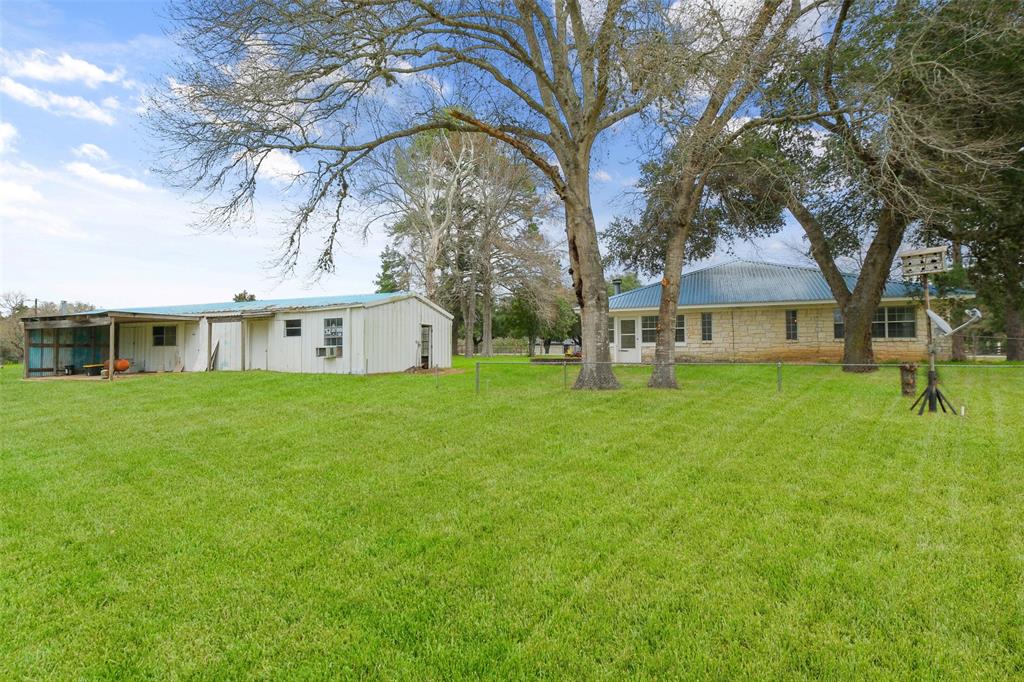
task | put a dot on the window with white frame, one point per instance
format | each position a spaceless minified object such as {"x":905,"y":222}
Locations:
{"x":649,"y":328}
{"x":165,"y":336}
{"x":293,"y":327}
{"x":838,"y":324}
{"x":894,"y":323}
{"x":680,"y":328}
{"x":791,"y":328}
{"x":705,"y":327}
{"x":611,"y":329}
{"x":334,"y":332}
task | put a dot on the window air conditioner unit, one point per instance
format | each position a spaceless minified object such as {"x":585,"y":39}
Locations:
{"x":327,"y":352}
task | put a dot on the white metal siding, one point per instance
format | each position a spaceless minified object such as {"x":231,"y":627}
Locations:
{"x":257,"y":337}
{"x":227,"y":338}
{"x":298,"y":353}
{"x":380,"y":338}
{"x":393,"y":335}
{"x":136,"y":344}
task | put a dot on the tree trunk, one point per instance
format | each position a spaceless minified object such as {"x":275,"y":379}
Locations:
{"x":1014,"y":330}
{"x":588,"y":282}
{"x":958,"y":351}
{"x":867,"y":293}
{"x":487,"y":319}
{"x":663,"y":374}
{"x":430,"y":282}
{"x":959,"y":345}
{"x":470,"y":315}
{"x":858,"y":353}
{"x":547,"y":346}
{"x":858,"y":306}
{"x":455,"y":336}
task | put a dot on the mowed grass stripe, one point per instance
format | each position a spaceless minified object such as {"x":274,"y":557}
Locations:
{"x":230,"y":525}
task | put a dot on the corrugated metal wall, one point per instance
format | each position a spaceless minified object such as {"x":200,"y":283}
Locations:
{"x":136,"y":344}
{"x":227,"y":336}
{"x":298,"y":353}
{"x":393,"y":335}
{"x":381,"y":338}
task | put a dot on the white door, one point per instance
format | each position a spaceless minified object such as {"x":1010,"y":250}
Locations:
{"x":256,"y":357}
{"x":629,"y":341}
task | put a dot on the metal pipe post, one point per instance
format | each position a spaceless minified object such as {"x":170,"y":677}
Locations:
{"x":478,"y":378}
{"x":778,"y":375}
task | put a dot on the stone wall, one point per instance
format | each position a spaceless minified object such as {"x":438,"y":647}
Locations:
{"x":759,"y":334}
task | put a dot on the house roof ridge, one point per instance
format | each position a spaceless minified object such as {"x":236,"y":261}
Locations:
{"x":811,"y":268}
{"x":220,"y":306}
{"x":712,"y":266}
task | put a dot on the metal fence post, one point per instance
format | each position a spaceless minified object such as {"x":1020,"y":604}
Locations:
{"x":478,"y":378}
{"x":565,"y":374}
{"x":778,"y":375}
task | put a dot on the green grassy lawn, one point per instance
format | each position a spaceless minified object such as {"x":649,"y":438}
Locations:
{"x":271,"y":525}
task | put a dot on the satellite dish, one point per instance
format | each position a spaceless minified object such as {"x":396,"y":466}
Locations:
{"x":944,"y":327}
{"x":940,"y":323}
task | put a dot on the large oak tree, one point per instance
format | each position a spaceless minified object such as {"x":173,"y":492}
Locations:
{"x":328,"y":83}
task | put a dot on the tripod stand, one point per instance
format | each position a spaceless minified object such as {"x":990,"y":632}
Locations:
{"x":921,"y":262}
{"x":931,"y":396}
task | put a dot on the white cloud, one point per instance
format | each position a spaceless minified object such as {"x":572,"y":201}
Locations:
{"x":8,"y":133}
{"x":61,"y":105}
{"x":112,"y":180}
{"x":77,"y":223}
{"x":91,"y":151}
{"x":602,"y":176}
{"x":18,"y":193}
{"x":24,"y":209}
{"x":279,"y":167}
{"x":39,"y":65}
{"x":35,"y":220}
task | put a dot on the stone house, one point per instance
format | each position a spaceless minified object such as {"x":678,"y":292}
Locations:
{"x":757,"y":311}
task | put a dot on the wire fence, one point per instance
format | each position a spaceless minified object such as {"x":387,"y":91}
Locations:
{"x":976,"y":346}
{"x":966,"y":381}
{"x":987,"y":346}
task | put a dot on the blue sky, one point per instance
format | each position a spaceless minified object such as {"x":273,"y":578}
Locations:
{"x":83,"y":218}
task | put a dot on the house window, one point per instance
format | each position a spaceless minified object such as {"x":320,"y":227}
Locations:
{"x":649,"y":328}
{"x":838,"y":326}
{"x":680,"y":328}
{"x":165,"y":336}
{"x":791,"y":331}
{"x":705,"y":327}
{"x":894,"y":323}
{"x":611,"y":329}
{"x":293,"y":327}
{"x":627,"y":334}
{"x":333,"y":332}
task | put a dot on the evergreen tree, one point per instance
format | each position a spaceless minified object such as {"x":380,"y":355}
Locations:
{"x":394,"y":272}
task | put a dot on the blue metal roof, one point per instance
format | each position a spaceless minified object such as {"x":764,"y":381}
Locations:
{"x":267,"y":305}
{"x":750,"y":282}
